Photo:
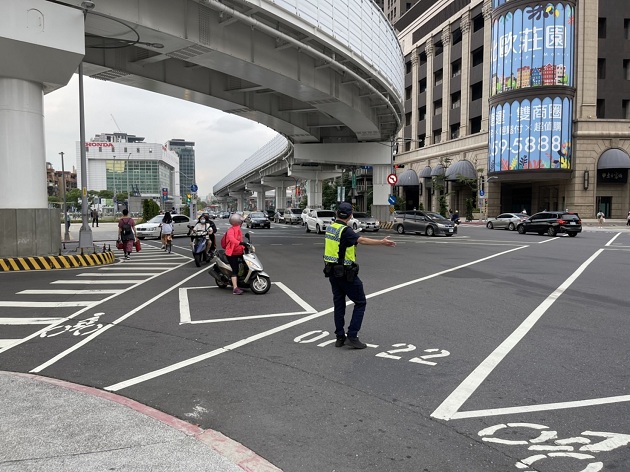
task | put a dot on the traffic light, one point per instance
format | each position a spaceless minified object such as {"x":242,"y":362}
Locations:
{"x":188,"y":198}
{"x":399,"y":166}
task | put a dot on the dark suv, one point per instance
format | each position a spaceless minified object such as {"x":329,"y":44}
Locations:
{"x":551,"y":223}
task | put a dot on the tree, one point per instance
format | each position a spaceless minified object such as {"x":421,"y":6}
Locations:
{"x":105,"y":194}
{"x":149,"y":209}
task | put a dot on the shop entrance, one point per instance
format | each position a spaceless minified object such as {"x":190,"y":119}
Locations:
{"x":604,"y":204}
{"x":515,"y":199}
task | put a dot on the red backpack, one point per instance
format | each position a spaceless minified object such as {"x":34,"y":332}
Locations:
{"x":224,"y":241}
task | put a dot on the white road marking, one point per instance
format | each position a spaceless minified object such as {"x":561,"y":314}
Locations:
{"x":184,"y":306}
{"x":540,"y":407}
{"x":68,"y":292}
{"x":7,"y":342}
{"x":118,"y":320}
{"x":15,"y":304}
{"x":547,"y":240}
{"x":613,"y":239}
{"x":28,"y":321}
{"x":460,"y":395}
{"x":88,"y":282}
{"x":98,"y":274}
{"x":278,"y":329}
{"x":241,"y":318}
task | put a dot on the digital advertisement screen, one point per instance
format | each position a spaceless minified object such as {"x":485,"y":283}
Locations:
{"x":533,"y":47}
{"x":531,"y":134}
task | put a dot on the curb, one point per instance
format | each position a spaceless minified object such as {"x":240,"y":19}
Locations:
{"x":56,"y":262}
{"x":232,"y":450}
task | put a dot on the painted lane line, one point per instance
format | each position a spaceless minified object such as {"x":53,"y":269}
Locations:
{"x":307,"y":308}
{"x":68,"y":292}
{"x":184,"y":306}
{"x":460,"y":395}
{"x":284,"y":327}
{"x":547,"y":240}
{"x":12,"y":304}
{"x":155,"y":263}
{"x":28,"y":321}
{"x":83,"y":310}
{"x":89,"y":282}
{"x":252,"y":317}
{"x":138,"y":266}
{"x":540,"y":407}
{"x":613,"y":239}
{"x":130,"y":274}
{"x":7,"y":342}
{"x":115,"y":322}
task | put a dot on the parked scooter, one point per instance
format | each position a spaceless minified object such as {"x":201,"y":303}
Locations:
{"x":200,"y":247}
{"x":251,"y":274}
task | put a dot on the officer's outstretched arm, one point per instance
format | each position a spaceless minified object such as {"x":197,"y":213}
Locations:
{"x":376,"y":242}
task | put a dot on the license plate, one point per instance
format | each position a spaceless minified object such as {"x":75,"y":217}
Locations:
{"x":450,"y":230}
{"x":572,"y":222}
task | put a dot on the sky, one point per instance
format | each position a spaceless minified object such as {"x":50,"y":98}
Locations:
{"x":222,"y":141}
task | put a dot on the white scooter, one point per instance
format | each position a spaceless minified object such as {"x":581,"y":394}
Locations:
{"x":251,"y":274}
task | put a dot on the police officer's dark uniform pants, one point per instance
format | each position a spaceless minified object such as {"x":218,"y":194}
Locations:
{"x":354,"y":291}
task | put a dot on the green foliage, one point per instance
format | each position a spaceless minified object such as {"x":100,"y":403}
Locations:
{"x":185,"y":210}
{"x":54,"y":199}
{"x":470,"y":205}
{"x":149,"y":209}
{"x":73,"y":197}
{"x":105,"y":194}
{"x":329,"y":194}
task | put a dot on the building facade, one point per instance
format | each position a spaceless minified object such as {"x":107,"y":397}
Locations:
{"x":517,"y":104}
{"x":56,"y":178}
{"x":124,"y":163}
{"x":185,"y":150}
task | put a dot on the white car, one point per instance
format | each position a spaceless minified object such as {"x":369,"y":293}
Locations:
{"x":318,"y":220}
{"x":151,"y":229}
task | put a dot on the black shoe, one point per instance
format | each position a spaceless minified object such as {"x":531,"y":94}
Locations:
{"x":340,"y":341}
{"x":356,"y":343}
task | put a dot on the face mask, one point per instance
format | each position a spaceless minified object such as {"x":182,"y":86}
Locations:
{"x":202,"y":221}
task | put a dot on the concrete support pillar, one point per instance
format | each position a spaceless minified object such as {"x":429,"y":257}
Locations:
{"x":41,"y":45}
{"x":381,"y":191}
{"x":428,"y":49}
{"x":281,"y":196}
{"x":241,"y":199}
{"x":415,"y":61}
{"x":446,"y":83}
{"x":464,"y":26}
{"x":314,"y":193}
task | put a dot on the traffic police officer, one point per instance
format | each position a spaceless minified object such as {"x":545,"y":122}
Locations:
{"x":342,"y":271}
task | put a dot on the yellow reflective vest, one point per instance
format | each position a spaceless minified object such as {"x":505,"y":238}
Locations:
{"x":332,"y":243}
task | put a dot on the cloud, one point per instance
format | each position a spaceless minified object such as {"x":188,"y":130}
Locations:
{"x":222,"y":141}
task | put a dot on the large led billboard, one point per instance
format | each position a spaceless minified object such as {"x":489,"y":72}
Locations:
{"x":530,"y":134}
{"x":532,"y":46}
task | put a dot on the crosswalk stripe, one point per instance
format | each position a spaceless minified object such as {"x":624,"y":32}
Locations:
{"x":96,"y":274}
{"x":28,"y":321}
{"x":16,"y":304}
{"x":69,"y":292}
{"x":76,"y":282}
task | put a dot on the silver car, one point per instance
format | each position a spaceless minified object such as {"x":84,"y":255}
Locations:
{"x":367,"y":223}
{"x":506,"y":221}
{"x":429,"y":223}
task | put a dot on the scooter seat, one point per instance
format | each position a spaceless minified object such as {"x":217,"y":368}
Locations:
{"x":221,"y":255}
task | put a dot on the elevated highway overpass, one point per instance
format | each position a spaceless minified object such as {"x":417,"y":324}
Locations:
{"x":326,"y":74}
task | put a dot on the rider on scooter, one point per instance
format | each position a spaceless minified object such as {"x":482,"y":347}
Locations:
{"x":234,"y":249}
{"x":203,"y":227}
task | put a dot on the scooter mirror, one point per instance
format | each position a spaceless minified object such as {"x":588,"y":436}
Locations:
{"x":247,"y":236}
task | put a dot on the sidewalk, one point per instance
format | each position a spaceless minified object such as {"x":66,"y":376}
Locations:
{"x":52,"y":425}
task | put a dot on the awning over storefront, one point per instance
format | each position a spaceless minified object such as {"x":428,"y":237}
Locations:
{"x":461,"y":170}
{"x":614,"y":159}
{"x":439,"y":170}
{"x":409,"y":177}
{"x":426,"y":173}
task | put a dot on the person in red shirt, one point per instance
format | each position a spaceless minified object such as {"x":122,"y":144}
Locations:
{"x":234,"y":248}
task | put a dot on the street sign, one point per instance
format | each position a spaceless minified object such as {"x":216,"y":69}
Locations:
{"x":392,"y":179}
{"x":164,"y":193}
{"x":392,"y":199}
{"x":194,"y":188}
{"x":481,"y":193}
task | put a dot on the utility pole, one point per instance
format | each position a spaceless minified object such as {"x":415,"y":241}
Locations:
{"x":66,"y":234}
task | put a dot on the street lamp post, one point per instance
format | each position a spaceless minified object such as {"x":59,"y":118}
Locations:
{"x":66,"y":234}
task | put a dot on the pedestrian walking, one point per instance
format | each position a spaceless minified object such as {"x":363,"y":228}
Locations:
{"x":601,"y":219}
{"x":342,"y":271}
{"x":94,"y":217}
{"x":127,"y":233}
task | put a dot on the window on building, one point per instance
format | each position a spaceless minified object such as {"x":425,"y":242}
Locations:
{"x":626,"y":69}
{"x":601,"y":68}
{"x":437,"y":107}
{"x":438,"y":77}
{"x":477,"y":57}
{"x":457,"y":36}
{"x":408,"y":67}
{"x":423,"y":58}
{"x":475,"y":125}
{"x":421,"y":140}
{"x":113,"y":148}
{"x":601,"y":108}
{"x":601,"y":28}
{"x":422,"y":113}
{"x":626,"y":28}
{"x":408,"y":93}
{"x":455,"y":131}
{"x":456,"y":68}
{"x":477,"y":22}
{"x":625,"y":109}
{"x":422,"y":86}
{"x":476,"y":91}
{"x":138,"y":150}
{"x":125,"y":149}
{"x":100,"y":149}
{"x":437,"y":136}
{"x":456,"y":100}
{"x":408,"y":119}
{"x":439,"y":48}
